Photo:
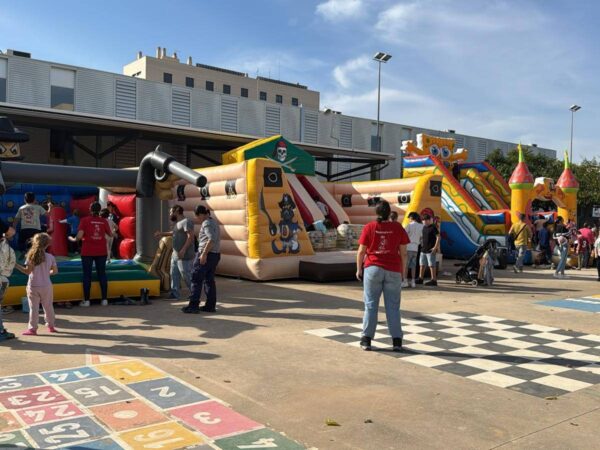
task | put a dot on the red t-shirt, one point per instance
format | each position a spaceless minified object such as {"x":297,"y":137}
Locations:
{"x":94,"y":230}
{"x":383,"y":241}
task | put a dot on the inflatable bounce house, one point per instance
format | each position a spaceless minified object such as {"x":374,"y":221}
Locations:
{"x":136,"y":193}
{"x":265,"y":197}
{"x":477,"y":203}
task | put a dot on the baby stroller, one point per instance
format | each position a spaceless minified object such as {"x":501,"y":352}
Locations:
{"x":469,"y":271}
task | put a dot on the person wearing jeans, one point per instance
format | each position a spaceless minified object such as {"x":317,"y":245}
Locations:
{"x":382,"y":249}
{"x":93,"y":231}
{"x":182,"y":258}
{"x":7,"y":264}
{"x":561,"y":235}
{"x":522,"y":237}
{"x":205,"y":264}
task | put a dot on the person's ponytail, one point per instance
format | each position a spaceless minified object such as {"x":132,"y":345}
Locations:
{"x":383,"y":211}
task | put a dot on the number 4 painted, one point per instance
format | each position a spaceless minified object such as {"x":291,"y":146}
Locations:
{"x":60,"y":377}
{"x":261,"y":443}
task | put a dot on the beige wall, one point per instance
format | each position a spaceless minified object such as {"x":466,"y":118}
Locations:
{"x":151,"y":68}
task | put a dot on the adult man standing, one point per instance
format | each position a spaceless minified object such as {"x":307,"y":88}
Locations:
{"x":205,"y":263}
{"x":183,"y":249}
{"x":430,"y":247}
{"x":521,"y":234}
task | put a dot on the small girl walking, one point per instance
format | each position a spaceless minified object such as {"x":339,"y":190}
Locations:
{"x":39,"y":266}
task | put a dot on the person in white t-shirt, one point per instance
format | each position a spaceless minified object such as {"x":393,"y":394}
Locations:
{"x":414,"y":229}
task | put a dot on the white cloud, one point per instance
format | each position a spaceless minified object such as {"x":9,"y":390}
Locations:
{"x":339,"y":10}
{"x":346,"y":73}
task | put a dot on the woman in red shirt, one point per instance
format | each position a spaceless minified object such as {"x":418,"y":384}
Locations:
{"x":379,"y":264}
{"x":92,"y":232}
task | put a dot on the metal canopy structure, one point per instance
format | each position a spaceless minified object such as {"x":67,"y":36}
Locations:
{"x":201,"y":143}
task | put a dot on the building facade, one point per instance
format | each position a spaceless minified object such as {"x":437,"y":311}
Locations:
{"x":168,"y":69}
{"x":135,"y":102}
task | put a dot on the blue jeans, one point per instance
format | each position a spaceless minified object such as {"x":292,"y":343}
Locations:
{"x":204,"y":276}
{"x":521,"y":251}
{"x":87,"y":262}
{"x":3,"y":288}
{"x":180,"y":268}
{"x":564,"y":252}
{"x":376,"y":281}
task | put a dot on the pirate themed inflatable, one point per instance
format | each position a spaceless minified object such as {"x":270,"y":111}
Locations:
{"x":10,"y":139}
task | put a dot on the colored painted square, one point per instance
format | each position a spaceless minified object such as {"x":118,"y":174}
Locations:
{"x":127,"y":415}
{"x":49,"y":413}
{"x":96,"y":392}
{"x":167,"y":393}
{"x":8,"y":422}
{"x":20,"y":382}
{"x":213,"y":419}
{"x":577,"y":304}
{"x":70,"y":375}
{"x":258,"y":439}
{"x":27,"y":398}
{"x":130,"y":371}
{"x":165,"y":436}
{"x":103,"y":444}
{"x":13,"y":439}
{"x":66,"y":432}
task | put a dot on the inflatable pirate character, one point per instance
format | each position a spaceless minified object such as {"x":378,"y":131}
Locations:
{"x":287,"y":228}
{"x":10,"y":138}
{"x":443,"y":148}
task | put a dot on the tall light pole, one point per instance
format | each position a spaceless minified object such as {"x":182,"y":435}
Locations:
{"x":573,"y":109}
{"x":380,"y":57}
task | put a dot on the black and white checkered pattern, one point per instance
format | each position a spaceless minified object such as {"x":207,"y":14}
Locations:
{"x":533,"y":359}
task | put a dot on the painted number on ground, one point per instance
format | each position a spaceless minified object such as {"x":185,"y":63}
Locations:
{"x":91,"y":393}
{"x":63,"y":433}
{"x":261,"y":443}
{"x":158,"y":438}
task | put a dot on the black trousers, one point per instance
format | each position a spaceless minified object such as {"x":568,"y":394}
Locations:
{"x":87,"y":263}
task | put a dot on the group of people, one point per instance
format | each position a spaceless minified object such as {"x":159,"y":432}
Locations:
{"x":194,"y":261}
{"x":546,"y":238}
{"x":93,"y":235}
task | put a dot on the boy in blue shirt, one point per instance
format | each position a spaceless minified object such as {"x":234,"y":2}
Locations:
{"x":73,"y":222}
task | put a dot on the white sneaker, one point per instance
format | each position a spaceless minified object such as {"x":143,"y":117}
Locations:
{"x":515,"y":270}
{"x":555,"y":275}
{"x":104,"y":302}
{"x":412,"y":283}
{"x":404,"y":284}
{"x":84,"y":303}
{"x":563,"y":276}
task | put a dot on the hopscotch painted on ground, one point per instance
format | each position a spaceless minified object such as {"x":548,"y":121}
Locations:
{"x":115,"y":403}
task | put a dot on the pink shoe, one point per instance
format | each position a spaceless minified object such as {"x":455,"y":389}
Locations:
{"x":29,"y":332}
{"x":52,"y":330}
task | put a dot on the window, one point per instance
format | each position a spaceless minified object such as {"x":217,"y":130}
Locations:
{"x":226,"y":89}
{"x":244,"y":92}
{"x":167,"y":77}
{"x":279,"y":99}
{"x":3,"y":65}
{"x":61,"y":148}
{"x":62,"y":89}
{"x":263,"y":96}
{"x":189,"y":82}
{"x":210,"y":86}
{"x":294,"y":101}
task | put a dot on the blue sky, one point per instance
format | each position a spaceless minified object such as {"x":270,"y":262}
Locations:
{"x":506,"y":70}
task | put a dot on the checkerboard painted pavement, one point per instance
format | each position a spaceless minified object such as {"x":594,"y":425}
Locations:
{"x":114,"y":403}
{"x":532,"y":359}
{"x":590,"y":303}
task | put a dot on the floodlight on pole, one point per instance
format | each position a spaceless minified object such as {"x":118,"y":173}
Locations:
{"x":380,"y":57}
{"x":573,"y":109}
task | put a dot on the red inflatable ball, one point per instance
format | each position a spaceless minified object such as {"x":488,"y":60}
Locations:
{"x":127,"y":227}
{"x":58,"y":231}
{"x":127,"y":249}
{"x":82,"y":204}
{"x":125,"y":204}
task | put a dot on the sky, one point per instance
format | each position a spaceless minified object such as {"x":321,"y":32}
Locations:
{"x":505,"y":70}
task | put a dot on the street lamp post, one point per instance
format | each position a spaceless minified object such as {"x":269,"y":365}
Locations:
{"x":573,"y":109}
{"x":380,"y":57}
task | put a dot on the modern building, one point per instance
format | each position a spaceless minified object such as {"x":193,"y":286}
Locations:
{"x":168,"y":69}
{"x":77,"y":115}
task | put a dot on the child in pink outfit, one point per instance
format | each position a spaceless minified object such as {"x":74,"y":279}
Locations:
{"x":39,"y":266}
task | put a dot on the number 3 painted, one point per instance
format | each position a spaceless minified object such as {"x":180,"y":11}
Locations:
{"x":204,"y":417}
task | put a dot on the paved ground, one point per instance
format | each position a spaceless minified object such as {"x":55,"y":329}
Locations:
{"x":255,"y":355}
